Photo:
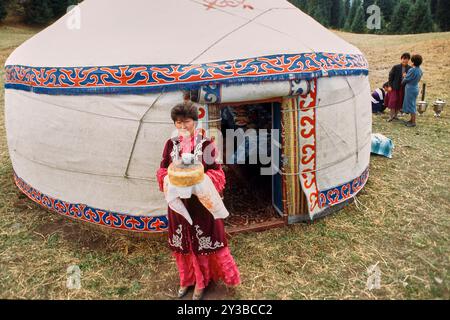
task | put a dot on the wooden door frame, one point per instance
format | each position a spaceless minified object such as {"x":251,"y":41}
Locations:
{"x":291,"y":189}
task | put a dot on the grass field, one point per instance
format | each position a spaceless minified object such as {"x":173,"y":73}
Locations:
{"x":399,"y":222}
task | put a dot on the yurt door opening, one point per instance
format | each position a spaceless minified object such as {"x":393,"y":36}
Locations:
{"x":252,"y":196}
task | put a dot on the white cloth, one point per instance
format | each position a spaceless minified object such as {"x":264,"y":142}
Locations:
{"x":271,"y":27}
{"x":205,"y":192}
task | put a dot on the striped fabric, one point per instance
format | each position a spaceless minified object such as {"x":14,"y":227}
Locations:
{"x":293,"y":197}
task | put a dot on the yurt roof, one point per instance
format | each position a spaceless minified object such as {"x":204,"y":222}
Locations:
{"x":177,"y":44}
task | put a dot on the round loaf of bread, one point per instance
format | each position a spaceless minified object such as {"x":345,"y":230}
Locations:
{"x":182,"y":175}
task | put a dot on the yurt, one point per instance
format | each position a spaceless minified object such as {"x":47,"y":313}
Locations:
{"x":88,"y":101}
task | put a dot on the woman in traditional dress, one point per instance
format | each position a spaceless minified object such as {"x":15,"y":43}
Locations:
{"x":396,"y":89}
{"x":201,"y":250}
{"x":411,"y":83}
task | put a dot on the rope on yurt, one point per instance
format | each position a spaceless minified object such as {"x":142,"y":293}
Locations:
{"x":355,"y":108}
{"x":228,"y":34}
{"x":65,"y":107}
{"x":262,"y":24}
{"x":326,"y":105}
{"x":168,"y":122}
{"x":192,"y":61}
{"x":77,"y":110}
{"x":248,"y":22}
{"x":331,"y":164}
{"x":139,"y":130}
{"x":106,"y":116}
{"x":45,"y":164}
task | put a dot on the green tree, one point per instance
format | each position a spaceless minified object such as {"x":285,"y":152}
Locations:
{"x":359,"y":22}
{"x":301,"y":4}
{"x":337,"y":14}
{"x":37,"y":11}
{"x":3,"y":11}
{"x":418,"y":19}
{"x":399,"y":17}
{"x":366,"y":4}
{"x":443,"y":14}
{"x":351,"y":15}
{"x":433,"y":7}
{"x":321,"y":11}
{"x":310,"y":6}
{"x":387,"y":8}
{"x":59,"y":7}
{"x":347,"y":7}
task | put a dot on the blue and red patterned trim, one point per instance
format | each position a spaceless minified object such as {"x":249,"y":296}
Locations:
{"x":344,"y":192}
{"x":134,"y":79}
{"x":100,"y":217}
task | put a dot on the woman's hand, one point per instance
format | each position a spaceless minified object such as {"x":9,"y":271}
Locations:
{"x":160,"y":175}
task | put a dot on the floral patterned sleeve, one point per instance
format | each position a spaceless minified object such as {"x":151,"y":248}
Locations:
{"x":165,"y":162}
{"x":213,"y":168}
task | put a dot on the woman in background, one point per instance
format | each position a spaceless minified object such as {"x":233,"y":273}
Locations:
{"x":396,"y":89}
{"x":411,"y":83}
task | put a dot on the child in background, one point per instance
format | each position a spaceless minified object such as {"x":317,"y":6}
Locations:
{"x":396,"y":88}
{"x":379,"y":98}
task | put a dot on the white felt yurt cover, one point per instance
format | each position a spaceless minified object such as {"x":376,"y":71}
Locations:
{"x":80,"y":92}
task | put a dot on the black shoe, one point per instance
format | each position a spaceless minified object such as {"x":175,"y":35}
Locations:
{"x":182,"y":291}
{"x":410,"y":124}
{"x":198,"y":295}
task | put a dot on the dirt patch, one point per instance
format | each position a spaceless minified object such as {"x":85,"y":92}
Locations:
{"x":215,"y":291}
{"x":73,"y":232}
{"x":247,"y":201}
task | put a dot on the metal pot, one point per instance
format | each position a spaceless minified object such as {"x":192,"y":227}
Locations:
{"x":438,"y":107}
{"x":422,"y":107}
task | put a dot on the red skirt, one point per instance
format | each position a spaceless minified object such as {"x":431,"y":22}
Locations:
{"x":201,"y":250}
{"x":396,"y":99}
{"x":199,"y":270}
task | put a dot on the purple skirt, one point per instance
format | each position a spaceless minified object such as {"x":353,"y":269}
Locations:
{"x":396,"y":99}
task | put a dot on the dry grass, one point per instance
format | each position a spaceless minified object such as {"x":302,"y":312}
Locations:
{"x":383,"y":51}
{"x":400,"y":221}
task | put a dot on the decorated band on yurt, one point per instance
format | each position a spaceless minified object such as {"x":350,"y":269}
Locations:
{"x":88,"y":101}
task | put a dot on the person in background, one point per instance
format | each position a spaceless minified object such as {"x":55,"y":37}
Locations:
{"x":397,"y":90}
{"x":411,"y":83}
{"x":378,"y":98}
